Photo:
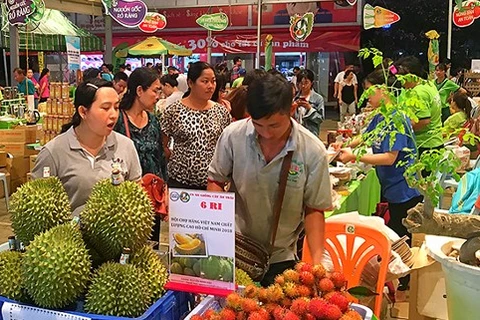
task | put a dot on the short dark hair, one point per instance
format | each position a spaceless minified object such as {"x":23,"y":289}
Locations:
{"x":411,"y":65}
{"x":236,"y":59}
{"x":172,"y":68}
{"x":307,"y":74}
{"x":347,"y":73}
{"x":122,"y":66}
{"x":19,"y":71}
{"x":90,"y":73}
{"x":171,"y":79}
{"x":269,"y":95}
{"x":252,"y":75}
{"x":296,"y":68}
{"x":120,"y":75}
{"x":441,"y":66}
{"x":149,"y":64}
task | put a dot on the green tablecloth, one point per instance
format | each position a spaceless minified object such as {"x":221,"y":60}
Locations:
{"x":364,"y":196}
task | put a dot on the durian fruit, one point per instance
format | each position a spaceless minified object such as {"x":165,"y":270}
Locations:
{"x":242,"y":278}
{"x":118,"y":290}
{"x":37,"y":206}
{"x":117,"y":217}
{"x":56,"y":267}
{"x":154,"y":271}
{"x":11,"y":279}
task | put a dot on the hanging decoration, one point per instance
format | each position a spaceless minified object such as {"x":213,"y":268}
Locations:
{"x":433,"y":53}
{"x":377,"y":17}
{"x":345,"y":3}
{"x":465,"y":13}
{"x":214,"y":21}
{"x":22,"y":12}
{"x":268,"y":52}
{"x":153,"y":21}
{"x":301,"y":26}
{"x":128,"y":13}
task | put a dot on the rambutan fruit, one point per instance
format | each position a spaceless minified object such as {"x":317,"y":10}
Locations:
{"x":255,"y":316}
{"x":325,"y":285}
{"x":332,"y":312}
{"x":304,"y":291}
{"x":209,"y":313}
{"x":307,"y":278}
{"x":303,"y":266}
{"x":349,"y":297}
{"x":275,"y":293}
{"x":319,"y":271}
{"x":352,"y":315}
{"x":278,"y":313}
{"x":269,"y":307}
{"x":299,"y":306}
{"x":338,"y":279}
{"x":328,"y":295}
{"x":290,"y":289}
{"x":262,"y":295}
{"x":286,"y":302}
{"x":250,"y":291}
{"x":196,"y":317}
{"x":249,"y":305}
{"x":234,"y":301}
{"x":308,"y":316}
{"x":289,"y":315}
{"x":317,"y":307}
{"x":340,"y":301}
{"x":242,"y":315}
{"x":280,"y":280}
{"x":264,"y":313}
{"x":291,"y":275}
{"x":228,"y":314}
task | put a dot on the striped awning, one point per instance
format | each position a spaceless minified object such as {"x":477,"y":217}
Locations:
{"x":50,"y":34}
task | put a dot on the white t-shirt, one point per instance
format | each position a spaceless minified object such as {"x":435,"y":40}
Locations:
{"x":182,"y":82}
{"x":339,"y":78}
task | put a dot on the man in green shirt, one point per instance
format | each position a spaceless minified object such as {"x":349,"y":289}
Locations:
{"x":24,"y":83}
{"x":445,"y":88}
{"x":428,"y":128}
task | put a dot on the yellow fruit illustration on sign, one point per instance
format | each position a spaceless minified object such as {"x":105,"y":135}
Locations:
{"x":188,"y":245}
{"x":182,"y":238}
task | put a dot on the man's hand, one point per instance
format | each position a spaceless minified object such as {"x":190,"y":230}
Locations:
{"x":346,"y":156}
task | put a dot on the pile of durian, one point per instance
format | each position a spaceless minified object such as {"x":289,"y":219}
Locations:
{"x":66,"y":261}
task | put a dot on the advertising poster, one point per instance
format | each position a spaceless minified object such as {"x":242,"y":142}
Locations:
{"x":202,"y":241}
{"x":73,"y":52}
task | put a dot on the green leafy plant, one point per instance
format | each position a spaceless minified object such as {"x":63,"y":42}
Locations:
{"x":396,"y":106}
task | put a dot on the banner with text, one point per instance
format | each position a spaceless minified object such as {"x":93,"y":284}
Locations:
{"x":202,"y":241}
{"x":73,"y":52}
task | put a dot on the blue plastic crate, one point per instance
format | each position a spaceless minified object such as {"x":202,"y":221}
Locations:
{"x":173,"y":305}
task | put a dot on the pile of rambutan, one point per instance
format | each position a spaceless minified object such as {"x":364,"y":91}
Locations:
{"x":304,"y":293}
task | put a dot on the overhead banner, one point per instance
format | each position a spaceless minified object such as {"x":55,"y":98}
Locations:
{"x":466,"y":13}
{"x":153,"y":22}
{"x":214,"y":21}
{"x":202,"y":241}
{"x":21,"y":12}
{"x":128,"y":13}
{"x":378,"y":17}
{"x":73,"y":52}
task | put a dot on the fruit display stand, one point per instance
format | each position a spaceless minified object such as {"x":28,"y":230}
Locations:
{"x":462,"y":281}
{"x":172,"y":306}
{"x":215,"y":303}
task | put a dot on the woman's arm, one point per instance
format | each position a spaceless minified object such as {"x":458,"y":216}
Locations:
{"x":340,"y":88}
{"x":166,"y":149}
{"x":355,"y":92}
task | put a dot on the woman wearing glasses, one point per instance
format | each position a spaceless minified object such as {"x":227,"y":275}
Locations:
{"x":311,"y":107}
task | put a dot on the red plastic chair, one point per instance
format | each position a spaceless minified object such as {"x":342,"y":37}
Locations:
{"x":351,"y":262}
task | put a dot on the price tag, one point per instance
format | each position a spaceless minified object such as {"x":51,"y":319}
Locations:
{"x":13,"y":311}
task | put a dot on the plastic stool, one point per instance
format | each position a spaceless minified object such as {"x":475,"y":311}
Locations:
{"x":3,"y":177}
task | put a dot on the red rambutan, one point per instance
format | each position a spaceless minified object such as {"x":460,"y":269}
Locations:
{"x":352,"y":315}
{"x":275,"y":293}
{"x":262,"y":295}
{"x":319,"y":271}
{"x":286,"y":302}
{"x":332,"y":312}
{"x":234,"y":301}
{"x":251,"y":291}
{"x":196,"y":317}
{"x":278,"y":313}
{"x":209,"y":313}
{"x":299,"y":306}
{"x":303,"y":266}
{"x":317,"y":307}
{"x":249,"y":305}
{"x":291,"y":275}
{"x":269,"y":307}
{"x":304,"y":291}
{"x":280,"y":280}
{"x":340,"y":301}
{"x":290,"y":289}
{"x":289,"y":315}
{"x":242,"y":315}
{"x":325,"y":285}
{"x":264,"y":313}
{"x":338,"y":279}
{"x":255,"y":316}
{"x":307,"y":278}
{"x":228,"y":314}
{"x":308,"y":316}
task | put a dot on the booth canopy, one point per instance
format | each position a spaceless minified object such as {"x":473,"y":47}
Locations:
{"x":50,"y":34}
{"x":157,"y":46}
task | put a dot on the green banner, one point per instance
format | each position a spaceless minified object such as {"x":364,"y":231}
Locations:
{"x":213,"y":22}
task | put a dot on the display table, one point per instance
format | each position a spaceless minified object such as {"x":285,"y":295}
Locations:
{"x":364,"y":196}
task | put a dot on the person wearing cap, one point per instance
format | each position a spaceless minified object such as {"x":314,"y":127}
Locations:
{"x":239,"y":81}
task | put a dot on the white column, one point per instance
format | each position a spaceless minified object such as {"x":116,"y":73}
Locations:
{"x":259,"y":33}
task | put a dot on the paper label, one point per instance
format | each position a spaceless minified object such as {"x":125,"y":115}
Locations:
{"x":13,"y":311}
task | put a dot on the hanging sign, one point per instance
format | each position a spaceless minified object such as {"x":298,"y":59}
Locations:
{"x":153,"y":21}
{"x":20,"y":12}
{"x":466,"y":13}
{"x":301,"y":26}
{"x":128,"y":13}
{"x":352,"y":2}
{"x":377,"y":17}
{"x":73,"y":52}
{"x":202,"y":241}
{"x":214,"y":21}
{"x":41,"y":60}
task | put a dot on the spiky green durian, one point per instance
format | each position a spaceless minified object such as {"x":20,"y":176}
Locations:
{"x":117,"y":217}
{"x":242,"y":278}
{"x":37,"y":206}
{"x":154,"y":271}
{"x":118,"y":290}
{"x":56,"y":267}
{"x":11,"y":279}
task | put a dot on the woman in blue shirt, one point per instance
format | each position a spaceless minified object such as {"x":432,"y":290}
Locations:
{"x":385,"y":158}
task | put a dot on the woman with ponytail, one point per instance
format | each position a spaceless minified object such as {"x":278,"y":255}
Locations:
{"x":195,"y":124}
{"x":88,"y":149}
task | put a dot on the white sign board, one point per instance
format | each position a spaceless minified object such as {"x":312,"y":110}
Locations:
{"x":476,"y":65}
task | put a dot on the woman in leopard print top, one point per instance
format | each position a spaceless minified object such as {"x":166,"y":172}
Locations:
{"x":195,"y":124}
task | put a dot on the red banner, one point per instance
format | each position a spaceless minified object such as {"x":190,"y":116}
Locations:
{"x":321,"y":40}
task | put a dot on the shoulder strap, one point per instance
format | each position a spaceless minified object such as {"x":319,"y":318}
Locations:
{"x":125,"y":122}
{"x":277,"y":208}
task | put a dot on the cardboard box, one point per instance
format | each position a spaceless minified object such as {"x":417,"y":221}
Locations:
{"x":2,"y":191}
{"x":3,"y":159}
{"x":20,"y":134}
{"x":18,"y":167}
{"x":17,"y":149}
{"x":32,"y":162}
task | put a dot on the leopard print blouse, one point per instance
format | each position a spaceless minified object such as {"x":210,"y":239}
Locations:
{"x":195,"y":134}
